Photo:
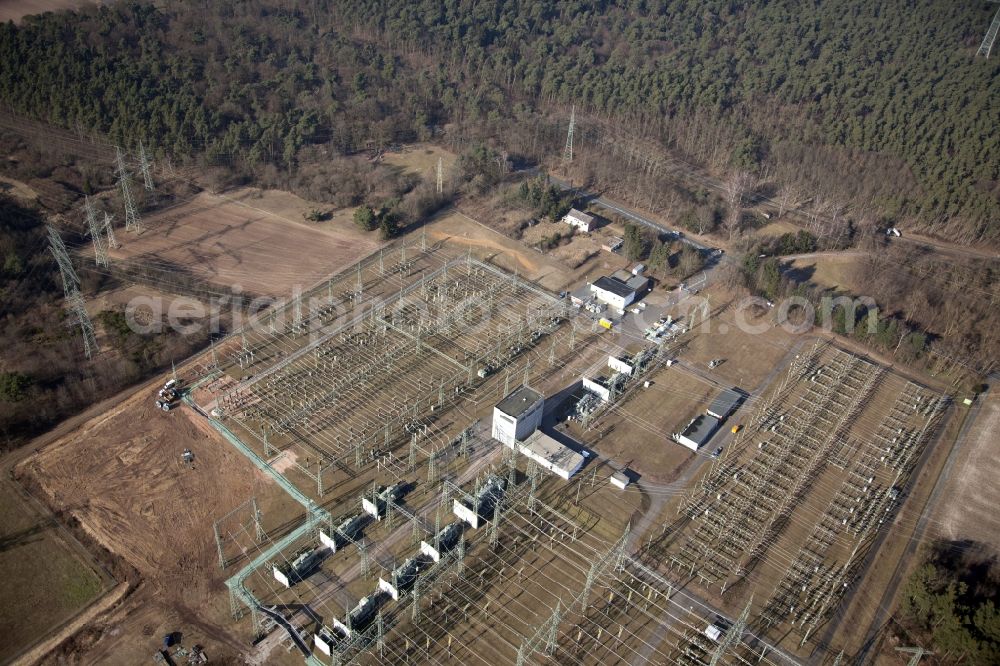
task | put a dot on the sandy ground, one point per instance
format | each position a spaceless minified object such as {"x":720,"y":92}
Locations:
{"x":549,"y":270}
{"x":14,"y":10}
{"x":749,"y":346}
{"x":637,"y":434}
{"x":970,"y":510}
{"x":256,"y":240}
{"x":122,"y":476}
{"x":16,"y":188}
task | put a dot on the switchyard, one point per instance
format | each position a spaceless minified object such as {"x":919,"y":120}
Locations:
{"x":362,"y":370}
{"x":796,"y":502}
{"x":396,"y":523}
{"x":360,"y":398}
{"x":420,"y":536}
{"x":424,"y":534}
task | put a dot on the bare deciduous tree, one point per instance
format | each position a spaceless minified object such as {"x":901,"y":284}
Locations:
{"x":737,"y":185}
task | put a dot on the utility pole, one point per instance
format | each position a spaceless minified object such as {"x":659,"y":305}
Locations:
{"x":917,"y":652}
{"x":568,"y":150}
{"x":145,"y":167}
{"x":440,"y":176}
{"x":71,"y":291}
{"x":94,"y":227}
{"x":991,"y":36}
{"x":132,"y":222}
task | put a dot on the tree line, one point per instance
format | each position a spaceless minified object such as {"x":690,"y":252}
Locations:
{"x":950,"y":603}
{"x":844,"y":103}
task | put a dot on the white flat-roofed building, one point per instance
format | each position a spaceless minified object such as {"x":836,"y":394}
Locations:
{"x":551,"y":455}
{"x":620,"y":480}
{"x":698,"y":432}
{"x":725,"y":403}
{"x":517,"y":415}
{"x":619,"y":290}
{"x":613,"y":291}
{"x":579,"y":219}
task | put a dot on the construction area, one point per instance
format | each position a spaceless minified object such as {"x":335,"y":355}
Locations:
{"x":240,"y":240}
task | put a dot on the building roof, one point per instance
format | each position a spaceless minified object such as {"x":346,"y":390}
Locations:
{"x":621,"y":479}
{"x":725,"y":403}
{"x":637,"y":282}
{"x":519,"y":401}
{"x":581,"y":294}
{"x":580,"y":216}
{"x":622,"y":275}
{"x":560,"y":456}
{"x":613,"y":285}
{"x":701,"y":429}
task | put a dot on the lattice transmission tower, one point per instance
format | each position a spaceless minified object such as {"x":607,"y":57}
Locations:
{"x":95,"y":229}
{"x":991,"y":36}
{"x":733,"y":635}
{"x":568,"y":151}
{"x":132,"y":221}
{"x":71,"y":291}
{"x":109,"y":232}
{"x":145,"y":167}
{"x":917,"y":652}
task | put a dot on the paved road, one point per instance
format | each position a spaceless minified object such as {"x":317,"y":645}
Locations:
{"x":635,"y":216}
{"x":795,"y":215}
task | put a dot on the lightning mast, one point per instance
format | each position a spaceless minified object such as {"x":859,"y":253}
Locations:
{"x":440,"y":176}
{"x":733,"y":635}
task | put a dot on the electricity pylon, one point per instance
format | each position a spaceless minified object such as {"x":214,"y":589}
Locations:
{"x":145,"y":167}
{"x":917,"y":652}
{"x":991,"y":36}
{"x":568,"y":151}
{"x":96,"y":235}
{"x":132,"y":222}
{"x":109,"y":231}
{"x":733,"y":635}
{"x":71,"y":291}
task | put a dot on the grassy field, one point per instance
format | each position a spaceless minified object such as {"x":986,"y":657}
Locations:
{"x":836,"y":272}
{"x":45,"y":582}
{"x":422,"y":159}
